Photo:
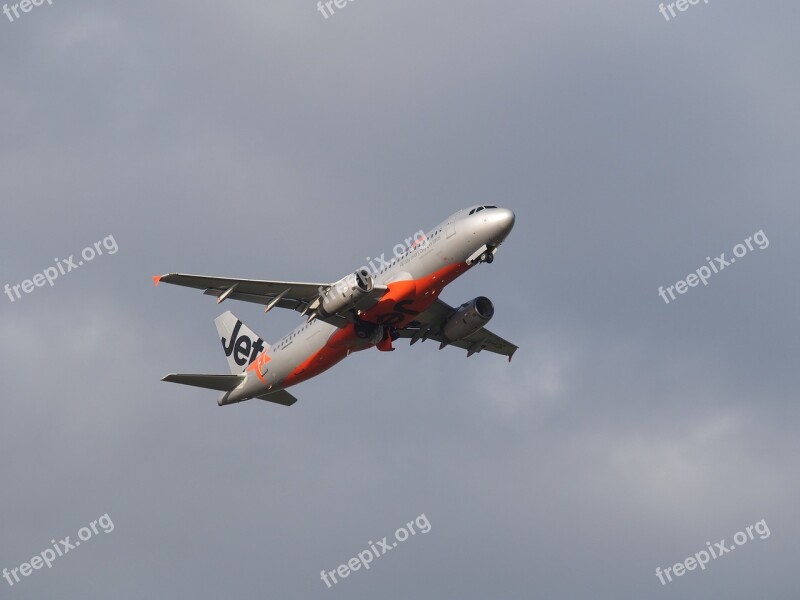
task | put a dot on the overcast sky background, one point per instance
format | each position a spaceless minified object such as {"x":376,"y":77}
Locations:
{"x":261,"y":140}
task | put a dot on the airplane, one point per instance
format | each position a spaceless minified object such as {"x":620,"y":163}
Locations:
{"x":362,"y":310}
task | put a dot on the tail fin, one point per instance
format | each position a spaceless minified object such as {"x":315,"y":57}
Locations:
{"x":241,"y":345}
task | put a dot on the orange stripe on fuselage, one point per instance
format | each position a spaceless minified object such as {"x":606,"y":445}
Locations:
{"x":412,"y":295}
{"x":334,"y":350}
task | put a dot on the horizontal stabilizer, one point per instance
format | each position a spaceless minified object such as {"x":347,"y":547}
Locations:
{"x":279,"y":397}
{"x":222,"y":383}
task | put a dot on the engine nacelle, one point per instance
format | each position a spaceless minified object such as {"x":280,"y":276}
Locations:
{"x":469,"y":318}
{"x":345,"y":293}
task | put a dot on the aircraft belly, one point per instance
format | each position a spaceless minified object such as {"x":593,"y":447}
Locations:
{"x":314,"y":354}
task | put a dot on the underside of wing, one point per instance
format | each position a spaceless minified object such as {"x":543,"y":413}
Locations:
{"x":250,"y":290}
{"x":293,"y":295}
{"x":430,"y":323}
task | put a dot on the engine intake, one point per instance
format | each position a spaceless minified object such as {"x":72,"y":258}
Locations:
{"x":468,"y":318}
{"x":345,"y":293}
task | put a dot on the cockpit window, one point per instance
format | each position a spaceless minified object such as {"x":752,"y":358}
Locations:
{"x":480,"y":208}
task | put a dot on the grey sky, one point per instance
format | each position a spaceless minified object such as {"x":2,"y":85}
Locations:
{"x":264,"y":141}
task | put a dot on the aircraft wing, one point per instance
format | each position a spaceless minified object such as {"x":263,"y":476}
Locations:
{"x":428,"y":325}
{"x":283,"y":294}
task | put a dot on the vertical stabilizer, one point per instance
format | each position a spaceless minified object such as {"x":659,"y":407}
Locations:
{"x":240,"y":344}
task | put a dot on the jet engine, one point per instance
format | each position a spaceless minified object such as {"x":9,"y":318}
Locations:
{"x":468,"y":318}
{"x":345,"y":293}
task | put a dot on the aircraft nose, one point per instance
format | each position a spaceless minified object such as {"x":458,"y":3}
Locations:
{"x":502,"y":221}
{"x":506,"y":218}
